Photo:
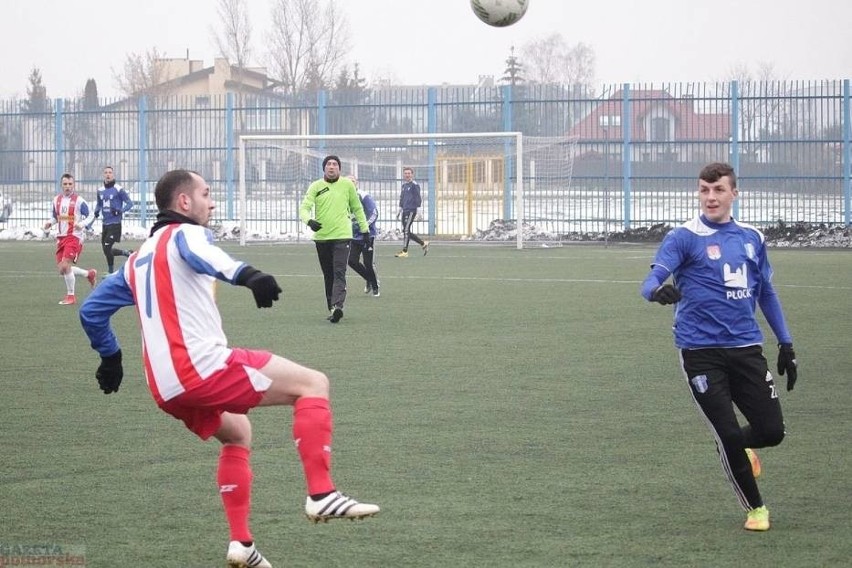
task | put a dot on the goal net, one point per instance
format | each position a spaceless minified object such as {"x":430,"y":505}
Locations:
{"x":473,"y":185}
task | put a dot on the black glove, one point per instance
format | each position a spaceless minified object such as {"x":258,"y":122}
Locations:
{"x":314,"y":225}
{"x":368,"y":241}
{"x":787,"y":364}
{"x":666,"y":294}
{"x":110,"y":373}
{"x":262,"y":285}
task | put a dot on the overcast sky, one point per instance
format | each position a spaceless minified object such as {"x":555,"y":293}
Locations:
{"x":432,"y":42}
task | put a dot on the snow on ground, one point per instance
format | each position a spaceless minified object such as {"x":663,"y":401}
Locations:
{"x":790,"y":236}
{"x":781,"y":235}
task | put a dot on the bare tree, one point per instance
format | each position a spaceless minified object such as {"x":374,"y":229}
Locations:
{"x":143,"y":74}
{"x":762,"y":108}
{"x":149,"y":75}
{"x":233,"y":40}
{"x":234,"y":44}
{"x":308,"y":43}
{"x":580,"y":65}
{"x":551,"y":60}
{"x":542,"y":59}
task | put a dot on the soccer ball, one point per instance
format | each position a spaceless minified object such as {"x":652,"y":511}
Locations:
{"x":499,"y":13}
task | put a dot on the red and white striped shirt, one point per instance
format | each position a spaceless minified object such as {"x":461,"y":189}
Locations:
{"x":71,"y":214}
{"x":172,"y":278}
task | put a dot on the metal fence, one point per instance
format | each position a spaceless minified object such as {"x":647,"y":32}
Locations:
{"x":635,"y":150}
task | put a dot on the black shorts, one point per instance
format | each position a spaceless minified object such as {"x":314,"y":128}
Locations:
{"x":111,"y":234}
{"x":720,"y":376}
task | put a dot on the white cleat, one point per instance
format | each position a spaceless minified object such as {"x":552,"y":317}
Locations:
{"x":336,"y":505}
{"x":240,"y":556}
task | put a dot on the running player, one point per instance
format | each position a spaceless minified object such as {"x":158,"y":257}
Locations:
{"x":70,"y":213}
{"x":721,"y":274}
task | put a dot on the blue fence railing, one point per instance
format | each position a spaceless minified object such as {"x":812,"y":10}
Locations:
{"x":635,"y":150}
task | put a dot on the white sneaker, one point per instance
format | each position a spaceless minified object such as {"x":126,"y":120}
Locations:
{"x":336,"y":505}
{"x":368,"y":288}
{"x":240,"y":556}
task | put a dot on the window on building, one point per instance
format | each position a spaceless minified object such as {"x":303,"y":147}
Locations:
{"x":660,"y":130}
{"x":609,"y":120}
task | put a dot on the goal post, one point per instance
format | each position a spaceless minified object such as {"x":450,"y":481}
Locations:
{"x":467,"y":180}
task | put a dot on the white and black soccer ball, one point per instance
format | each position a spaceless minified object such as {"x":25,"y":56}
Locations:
{"x":499,"y":13}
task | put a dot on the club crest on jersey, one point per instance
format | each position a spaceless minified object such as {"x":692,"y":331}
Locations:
{"x":714,"y":252}
{"x":749,"y":248}
{"x":699,"y":383}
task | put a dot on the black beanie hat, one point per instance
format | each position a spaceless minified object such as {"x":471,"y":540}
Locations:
{"x":329,"y":158}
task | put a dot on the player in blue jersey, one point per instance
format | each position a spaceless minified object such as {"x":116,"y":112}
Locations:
{"x":720,"y":275}
{"x":362,"y":244}
{"x":113,"y":203}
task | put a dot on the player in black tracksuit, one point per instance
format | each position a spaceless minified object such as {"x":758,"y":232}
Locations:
{"x":409,"y":202}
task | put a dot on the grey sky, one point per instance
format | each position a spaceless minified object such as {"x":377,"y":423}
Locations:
{"x":440,"y":41}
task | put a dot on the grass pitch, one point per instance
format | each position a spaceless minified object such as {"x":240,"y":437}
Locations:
{"x":504,"y":407}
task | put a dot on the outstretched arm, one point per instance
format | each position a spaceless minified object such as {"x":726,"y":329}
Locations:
{"x":95,"y":313}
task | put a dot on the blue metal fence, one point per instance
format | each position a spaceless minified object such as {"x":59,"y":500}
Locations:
{"x":635,"y":149}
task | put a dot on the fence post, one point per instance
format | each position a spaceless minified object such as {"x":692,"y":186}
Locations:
{"x":847,"y":149}
{"x":142,"y":156}
{"x":321,"y":118}
{"x":59,"y":143}
{"x":432,"y":128}
{"x":626,"y":171}
{"x":735,"y":137}
{"x":507,"y":154}
{"x":229,"y":155}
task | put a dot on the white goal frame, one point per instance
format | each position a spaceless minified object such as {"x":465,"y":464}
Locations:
{"x":519,"y":169}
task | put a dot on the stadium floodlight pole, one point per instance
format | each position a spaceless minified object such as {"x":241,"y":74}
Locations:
{"x":519,"y":169}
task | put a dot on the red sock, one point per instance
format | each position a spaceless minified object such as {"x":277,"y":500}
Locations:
{"x":312,"y":434}
{"x":234,"y":479}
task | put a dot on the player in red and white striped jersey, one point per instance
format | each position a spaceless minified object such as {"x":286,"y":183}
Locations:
{"x":70,"y":213}
{"x":191,"y":371}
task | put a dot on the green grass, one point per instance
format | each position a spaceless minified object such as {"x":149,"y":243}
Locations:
{"x":504,"y":407}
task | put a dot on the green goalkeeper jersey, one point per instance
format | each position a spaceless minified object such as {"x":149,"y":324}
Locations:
{"x":332,"y":204}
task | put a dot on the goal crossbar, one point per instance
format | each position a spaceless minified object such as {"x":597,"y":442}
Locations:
{"x":516,"y":136}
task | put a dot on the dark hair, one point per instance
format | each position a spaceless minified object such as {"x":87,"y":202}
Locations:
{"x":170,"y":185}
{"x":717,"y":170}
{"x":67,"y":176}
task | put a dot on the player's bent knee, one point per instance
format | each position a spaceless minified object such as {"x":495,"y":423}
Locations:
{"x":319,"y":384}
{"x":235,"y":429}
{"x":773,"y":436}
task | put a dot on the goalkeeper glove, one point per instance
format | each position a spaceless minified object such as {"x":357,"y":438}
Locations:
{"x":314,"y":225}
{"x":787,"y":364}
{"x":262,"y":285}
{"x":110,"y":373}
{"x":666,"y":294}
{"x":368,"y":241}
